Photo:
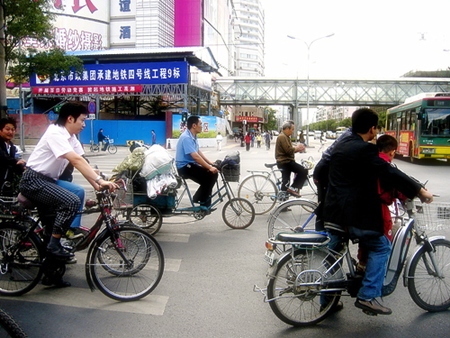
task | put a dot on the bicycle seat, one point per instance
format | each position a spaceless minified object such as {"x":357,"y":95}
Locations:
{"x":25,"y":202}
{"x":271,"y":165}
{"x":303,"y":237}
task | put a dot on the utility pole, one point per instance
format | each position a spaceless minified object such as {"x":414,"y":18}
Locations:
{"x":3,"y":103}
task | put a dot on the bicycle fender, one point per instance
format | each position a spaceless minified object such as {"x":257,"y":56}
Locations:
{"x":271,"y":271}
{"x":100,"y":236}
{"x":410,"y":259}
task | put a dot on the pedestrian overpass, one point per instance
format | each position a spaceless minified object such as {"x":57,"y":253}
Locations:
{"x":294,"y":92}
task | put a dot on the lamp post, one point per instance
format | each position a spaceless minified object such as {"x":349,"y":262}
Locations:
{"x":308,"y":47}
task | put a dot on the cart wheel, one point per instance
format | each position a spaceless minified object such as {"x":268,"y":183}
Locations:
{"x":147,"y":217}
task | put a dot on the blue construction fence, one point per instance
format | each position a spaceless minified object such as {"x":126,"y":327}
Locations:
{"x":123,"y":131}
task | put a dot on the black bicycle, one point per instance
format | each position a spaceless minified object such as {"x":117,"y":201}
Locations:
{"x":124,"y":262}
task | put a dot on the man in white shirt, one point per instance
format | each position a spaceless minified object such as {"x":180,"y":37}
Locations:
{"x":56,"y":148}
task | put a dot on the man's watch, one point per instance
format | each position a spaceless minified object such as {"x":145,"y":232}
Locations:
{"x":98,"y":179}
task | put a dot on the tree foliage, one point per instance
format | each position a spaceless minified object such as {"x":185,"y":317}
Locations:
{"x":271,"y":119}
{"x":33,"y":19}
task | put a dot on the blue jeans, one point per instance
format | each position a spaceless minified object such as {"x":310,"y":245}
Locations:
{"x":77,"y":190}
{"x":378,"y":250}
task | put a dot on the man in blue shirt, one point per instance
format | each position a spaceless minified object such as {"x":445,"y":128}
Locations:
{"x":193,"y":164}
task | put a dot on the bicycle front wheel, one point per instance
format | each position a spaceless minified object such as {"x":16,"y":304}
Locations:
{"x":147,"y":217}
{"x":10,"y":326}
{"x":20,"y":260}
{"x":238,"y":213}
{"x":294,"y":293}
{"x":112,"y":149}
{"x":126,"y":265}
{"x":428,"y":284}
{"x":291,"y":216}
{"x":260,"y":191}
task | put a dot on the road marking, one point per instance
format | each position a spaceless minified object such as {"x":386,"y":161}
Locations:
{"x":172,"y":264}
{"x":84,"y":298}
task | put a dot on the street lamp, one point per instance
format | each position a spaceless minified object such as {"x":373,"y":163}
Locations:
{"x":308,"y":46}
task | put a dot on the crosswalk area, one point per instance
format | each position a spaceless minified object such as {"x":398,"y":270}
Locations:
{"x":174,"y":238}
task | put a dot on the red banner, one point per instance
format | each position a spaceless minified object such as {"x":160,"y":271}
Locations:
{"x":86,"y":90}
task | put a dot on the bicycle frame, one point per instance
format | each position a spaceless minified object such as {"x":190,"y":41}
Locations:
{"x":216,"y":198}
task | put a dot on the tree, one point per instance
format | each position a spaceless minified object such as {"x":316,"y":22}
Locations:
{"x":22,"y":19}
{"x":271,"y":119}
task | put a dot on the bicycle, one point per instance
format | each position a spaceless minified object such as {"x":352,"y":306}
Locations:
{"x":108,"y":145}
{"x":147,"y":213}
{"x":263,"y":188}
{"x":10,"y":327}
{"x":308,"y":279}
{"x":124,"y":262}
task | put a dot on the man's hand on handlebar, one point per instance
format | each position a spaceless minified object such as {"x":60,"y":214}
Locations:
{"x":103,"y":184}
{"x":425,"y":196}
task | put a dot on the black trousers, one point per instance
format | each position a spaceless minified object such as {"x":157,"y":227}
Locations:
{"x":202,"y":176}
{"x":52,"y":201}
{"x":292,"y":167}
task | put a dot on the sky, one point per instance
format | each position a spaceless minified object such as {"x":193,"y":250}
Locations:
{"x":381,"y":39}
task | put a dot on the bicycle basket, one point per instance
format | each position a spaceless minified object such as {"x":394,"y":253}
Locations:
{"x":433,"y":216}
{"x":231,"y":173}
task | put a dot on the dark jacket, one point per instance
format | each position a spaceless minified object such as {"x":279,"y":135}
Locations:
{"x":352,"y":201}
{"x":8,"y":163}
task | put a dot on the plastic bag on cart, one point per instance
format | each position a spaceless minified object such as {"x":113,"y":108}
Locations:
{"x":132,"y":162}
{"x":157,"y":161}
{"x":160,"y":184}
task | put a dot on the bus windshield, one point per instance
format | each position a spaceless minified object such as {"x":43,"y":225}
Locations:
{"x":436,"y":122}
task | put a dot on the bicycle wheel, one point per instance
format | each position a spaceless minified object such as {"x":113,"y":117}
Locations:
{"x":260,"y":191}
{"x":94,"y":148}
{"x":291,"y":215}
{"x":20,"y":260}
{"x":428,"y":290}
{"x":147,"y":217}
{"x":112,"y":149}
{"x":127,"y":280}
{"x":238,"y":213}
{"x":309,"y":191}
{"x":10,"y":326}
{"x":294,"y":293}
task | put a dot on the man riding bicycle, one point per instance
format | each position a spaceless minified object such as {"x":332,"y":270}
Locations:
{"x":40,"y":181}
{"x":193,"y":164}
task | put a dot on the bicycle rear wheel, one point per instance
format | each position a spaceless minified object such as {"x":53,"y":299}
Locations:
{"x":260,"y":191}
{"x":428,"y":290}
{"x":291,"y":215}
{"x":147,"y":217}
{"x":131,"y":278}
{"x":238,"y":213}
{"x":94,"y":148}
{"x":112,"y":149}
{"x":20,"y":260}
{"x":294,"y":293}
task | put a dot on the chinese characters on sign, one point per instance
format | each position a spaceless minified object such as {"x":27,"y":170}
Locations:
{"x":125,"y":5}
{"x":77,"y":5}
{"x":117,"y":77}
{"x":85,"y":90}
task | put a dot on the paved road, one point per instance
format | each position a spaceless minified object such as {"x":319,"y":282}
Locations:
{"x":206,"y":290}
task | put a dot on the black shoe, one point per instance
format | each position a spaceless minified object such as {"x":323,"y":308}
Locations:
{"x":60,"y":252}
{"x":372,"y":307}
{"x":60,"y":283}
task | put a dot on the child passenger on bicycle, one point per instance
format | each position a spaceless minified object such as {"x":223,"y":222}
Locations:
{"x":387,"y":146}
